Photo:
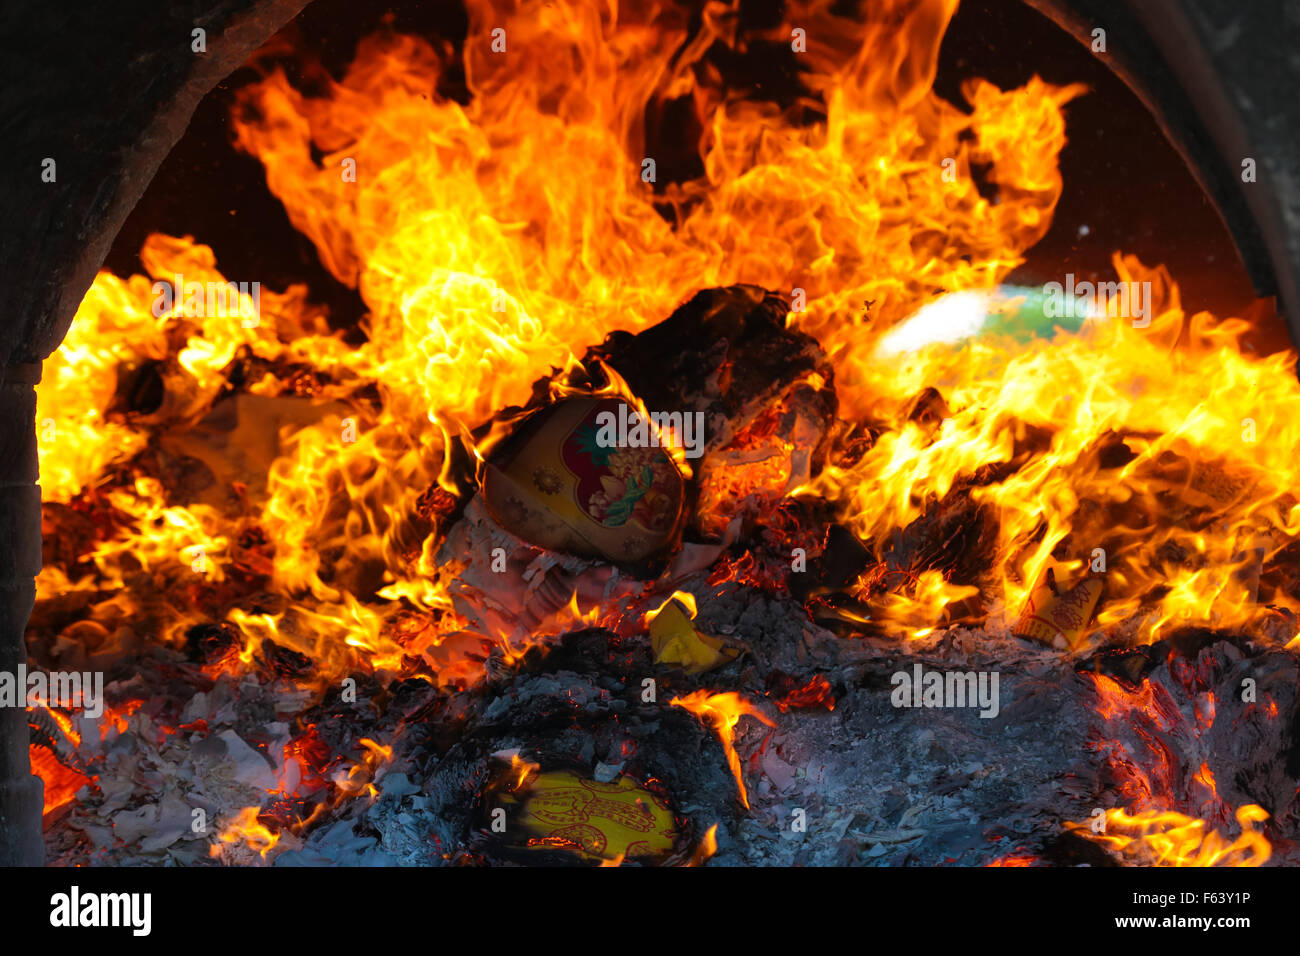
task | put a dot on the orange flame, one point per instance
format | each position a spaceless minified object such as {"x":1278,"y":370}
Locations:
{"x":485,"y":262}
{"x":245,"y":829}
{"x":723,"y":712}
{"x":1203,"y":498}
{"x":685,"y":598}
{"x":521,"y":770}
{"x":707,"y":849}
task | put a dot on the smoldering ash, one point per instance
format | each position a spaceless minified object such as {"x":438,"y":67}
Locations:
{"x":932,"y":688}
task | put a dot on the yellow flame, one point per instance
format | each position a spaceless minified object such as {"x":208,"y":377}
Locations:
{"x":723,"y":712}
{"x":1168,"y":838}
{"x":492,"y":240}
{"x":708,"y":847}
{"x":247,"y":830}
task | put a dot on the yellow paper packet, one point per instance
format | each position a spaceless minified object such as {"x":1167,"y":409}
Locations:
{"x":1058,"y":616}
{"x":606,"y":821}
{"x":675,"y":640}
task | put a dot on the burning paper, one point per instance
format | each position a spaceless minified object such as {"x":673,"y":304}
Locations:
{"x":562,"y":486}
{"x":1058,"y":617}
{"x":676,"y":641}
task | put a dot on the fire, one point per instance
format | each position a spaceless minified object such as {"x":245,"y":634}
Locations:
{"x":521,"y":771}
{"x":723,"y":712}
{"x":685,"y":598}
{"x":1114,"y":700}
{"x":117,"y":717}
{"x":617,"y":388}
{"x":913,"y":610}
{"x":1195,"y":500}
{"x":1160,"y":835}
{"x":376,"y":753}
{"x":359,"y":777}
{"x":485,"y":262}
{"x":310,"y":758}
{"x":1167,"y":838}
{"x":707,"y":848}
{"x":494,"y":237}
{"x":572,"y":617}
{"x":246,"y":830}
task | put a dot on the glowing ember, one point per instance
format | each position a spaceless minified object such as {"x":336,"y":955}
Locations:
{"x":815,"y":693}
{"x":61,"y":782}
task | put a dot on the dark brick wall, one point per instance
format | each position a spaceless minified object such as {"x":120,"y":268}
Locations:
{"x":106,"y":90}
{"x":21,"y":797}
{"x":1220,"y":77}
